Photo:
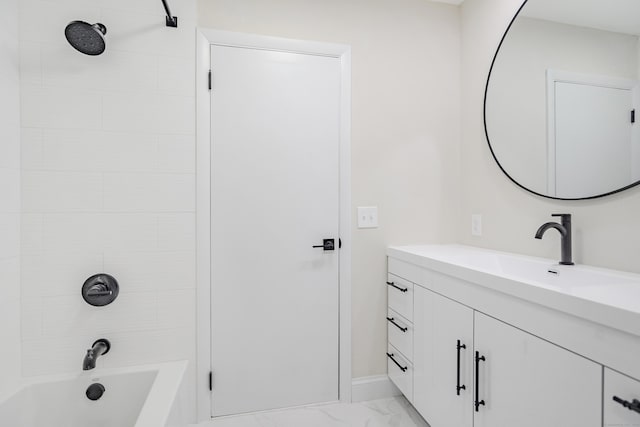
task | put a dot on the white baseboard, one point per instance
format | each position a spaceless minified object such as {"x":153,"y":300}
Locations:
{"x":372,"y":388}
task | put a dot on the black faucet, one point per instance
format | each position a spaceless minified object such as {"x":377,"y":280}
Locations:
{"x":565,"y":232}
{"x":98,"y":348}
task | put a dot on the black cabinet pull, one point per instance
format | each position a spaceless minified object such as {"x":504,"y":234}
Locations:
{"x":402,"y":368}
{"x":632,"y":406}
{"x":458,"y":386}
{"x":478,"y":402}
{"x":397,"y":287}
{"x":392,"y":320}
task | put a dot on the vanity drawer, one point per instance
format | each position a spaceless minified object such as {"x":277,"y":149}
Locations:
{"x":400,"y":333}
{"x":626,"y":389}
{"x":401,"y":373}
{"x":400,"y":296}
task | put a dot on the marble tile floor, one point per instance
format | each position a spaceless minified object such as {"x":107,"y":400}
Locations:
{"x":392,"y":412}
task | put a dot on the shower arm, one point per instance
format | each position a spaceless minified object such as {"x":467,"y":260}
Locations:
{"x":172,"y":21}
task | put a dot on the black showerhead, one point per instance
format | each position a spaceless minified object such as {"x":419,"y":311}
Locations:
{"x":86,"y":38}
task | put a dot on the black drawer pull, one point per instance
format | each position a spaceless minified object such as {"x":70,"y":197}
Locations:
{"x":632,"y":406}
{"x":392,"y":320}
{"x":458,"y":386}
{"x":397,"y":287}
{"x":402,"y":368}
{"x":478,"y":402}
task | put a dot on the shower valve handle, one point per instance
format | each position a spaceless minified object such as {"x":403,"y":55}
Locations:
{"x":99,"y":293}
{"x":99,"y":290}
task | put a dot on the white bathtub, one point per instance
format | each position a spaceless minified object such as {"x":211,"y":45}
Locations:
{"x":134,"y":397}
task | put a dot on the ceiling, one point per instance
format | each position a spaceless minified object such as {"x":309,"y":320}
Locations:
{"x":456,"y":2}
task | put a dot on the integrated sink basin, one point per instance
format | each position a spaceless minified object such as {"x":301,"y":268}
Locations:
{"x":603,"y":296}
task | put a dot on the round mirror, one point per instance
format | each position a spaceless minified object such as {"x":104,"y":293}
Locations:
{"x":561,"y":98}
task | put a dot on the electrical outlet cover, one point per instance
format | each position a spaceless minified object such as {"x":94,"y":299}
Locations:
{"x":476,"y":225}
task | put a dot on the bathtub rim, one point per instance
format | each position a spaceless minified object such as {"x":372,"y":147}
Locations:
{"x":158,"y":403}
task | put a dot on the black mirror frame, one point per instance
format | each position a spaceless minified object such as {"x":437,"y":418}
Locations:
{"x":486,"y":131}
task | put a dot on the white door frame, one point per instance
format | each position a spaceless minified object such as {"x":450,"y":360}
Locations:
{"x":206,"y":38}
{"x":560,"y":76}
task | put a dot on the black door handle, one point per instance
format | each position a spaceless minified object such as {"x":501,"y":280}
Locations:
{"x":458,"y":386}
{"x":632,"y":406}
{"x":402,"y":368}
{"x":327,"y":245}
{"x":478,"y":402}
{"x":392,"y":320}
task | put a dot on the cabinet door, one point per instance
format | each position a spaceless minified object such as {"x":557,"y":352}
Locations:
{"x":423,"y":351}
{"x":528,"y":382}
{"x":439,"y":324}
{"x":626,"y":390}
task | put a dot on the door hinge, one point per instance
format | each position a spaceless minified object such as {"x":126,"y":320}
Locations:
{"x":210,"y":78}
{"x":210,"y":381}
{"x":633,"y":115}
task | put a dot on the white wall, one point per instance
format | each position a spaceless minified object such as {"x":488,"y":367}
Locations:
{"x":606,"y":231}
{"x":517,"y":105}
{"x":637,"y":76}
{"x":108,"y":184}
{"x":9,"y":197}
{"x":405,"y":126}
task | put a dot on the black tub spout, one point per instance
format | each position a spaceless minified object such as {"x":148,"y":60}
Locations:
{"x":98,"y":349}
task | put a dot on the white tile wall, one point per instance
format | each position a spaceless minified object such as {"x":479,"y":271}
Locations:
{"x":102,"y":151}
{"x":54,"y":107}
{"x":10,"y":232}
{"x":58,"y":274}
{"x":31,"y":227}
{"x":9,"y":189}
{"x":44,"y":191}
{"x":108,"y":184}
{"x":135,"y":192}
{"x":145,"y":271}
{"x":135,"y":112}
{"x":176,"y":231}
{"x":10,"y":360}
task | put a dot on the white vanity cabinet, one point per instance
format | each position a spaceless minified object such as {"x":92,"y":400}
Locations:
{"x":525,"y":381}
{"x":620,"y":392}
{"x":485,"y":357}
{"x":522,"y":380}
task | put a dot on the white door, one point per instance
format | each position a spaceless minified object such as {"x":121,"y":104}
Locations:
{"x":525,"y":381}
{"x":275,"y":194}
{"x":593,"y":139}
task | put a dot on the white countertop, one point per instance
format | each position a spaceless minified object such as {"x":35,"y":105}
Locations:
{"x":608,"y":297}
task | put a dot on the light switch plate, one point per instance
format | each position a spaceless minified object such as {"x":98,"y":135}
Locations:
{"x":368,"y":217}
{"x":476,"y":225}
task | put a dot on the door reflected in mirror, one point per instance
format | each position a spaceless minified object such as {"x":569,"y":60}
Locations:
{"x":561,"y":98}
